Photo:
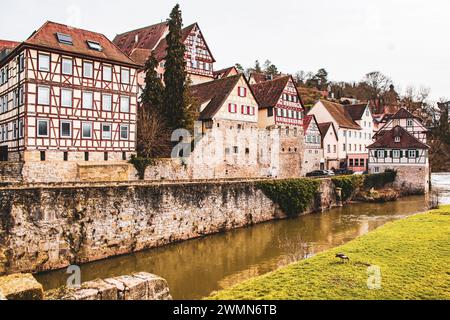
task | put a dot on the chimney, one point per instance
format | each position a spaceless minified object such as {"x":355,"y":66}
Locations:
{"x":136,"y":38}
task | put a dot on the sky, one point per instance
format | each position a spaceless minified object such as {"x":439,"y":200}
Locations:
{"x":405,"y":39}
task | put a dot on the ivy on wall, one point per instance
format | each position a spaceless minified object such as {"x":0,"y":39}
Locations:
{"x":292,"y":195}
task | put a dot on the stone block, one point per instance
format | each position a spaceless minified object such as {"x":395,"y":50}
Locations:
{"x":21,"y":287}
{"x":157,"y":287}
{"x":105,"y":291}
{"x":135,"y":288}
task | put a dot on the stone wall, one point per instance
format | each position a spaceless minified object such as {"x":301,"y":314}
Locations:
{"x":48,"y":228}
{"x":141,"y":286}
{"x":10,"y":171}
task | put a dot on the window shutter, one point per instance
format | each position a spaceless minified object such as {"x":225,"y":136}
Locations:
{"x":417,"y":154}
{"x":243,"y":109}
{"x":229,"y":107}
{"x":376,"y":153}
{"x":392,"y":154}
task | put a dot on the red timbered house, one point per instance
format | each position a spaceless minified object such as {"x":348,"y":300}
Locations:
{"x":140,"y":43}
{"x":71,"y":97}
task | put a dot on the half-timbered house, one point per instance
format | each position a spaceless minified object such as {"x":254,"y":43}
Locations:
{"x":281,"y":108}
{"x":313,"y":152}
{"x":398,"y":149}
{"x":139,"y":45}
{"x":68,"y":103}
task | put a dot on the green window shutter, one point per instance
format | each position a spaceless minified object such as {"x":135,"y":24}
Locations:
{"x":417,"y":154}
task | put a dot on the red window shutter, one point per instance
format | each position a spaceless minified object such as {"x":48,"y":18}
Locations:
{"x":243,"y":110}
{"x":245,"y":92}
{"x":229,"y":107}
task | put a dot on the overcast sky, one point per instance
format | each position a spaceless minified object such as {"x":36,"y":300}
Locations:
{"x":405,"y":39}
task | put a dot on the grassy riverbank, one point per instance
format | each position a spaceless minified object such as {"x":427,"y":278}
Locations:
{"x":413,"y":255}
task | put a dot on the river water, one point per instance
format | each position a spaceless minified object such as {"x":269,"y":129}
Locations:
{"x":196,"y":268}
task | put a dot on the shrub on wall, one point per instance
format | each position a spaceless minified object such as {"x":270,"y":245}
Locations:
{"x":379,"y":180}
{"x":349,"y":185}
{"x":292,"y":195}
{"x":141,"y":164}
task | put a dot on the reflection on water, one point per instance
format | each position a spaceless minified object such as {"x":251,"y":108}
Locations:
{"x":196,"y":268}
{"x":441,"y":183}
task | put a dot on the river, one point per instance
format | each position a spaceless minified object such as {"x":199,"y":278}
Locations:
{"x":196,"y":268}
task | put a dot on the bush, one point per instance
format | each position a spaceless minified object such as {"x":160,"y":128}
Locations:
{"x":141,"y":164}
{"x":293,"y":195}
{"x":349,"y":185}
{"x":379,"y":180}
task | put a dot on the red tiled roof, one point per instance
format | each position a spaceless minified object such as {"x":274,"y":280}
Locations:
{"x":340,"y":114}
{"x":224,"y":72}
{"x":404,"y":114}
{"x":6,"y":44}
{"x":307,"y":121}
{"x":268,"y":93}
{"x":46,"y":37}
{"x":356,"y":111}
{"x":151,"y":38}
{"x":147,"y":38}
{"x":407,"y":140}
{"x":216,"y":92}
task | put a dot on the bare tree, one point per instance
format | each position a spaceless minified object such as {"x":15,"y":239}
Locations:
{"x":154,"y":135}
{"x":377,"y":84}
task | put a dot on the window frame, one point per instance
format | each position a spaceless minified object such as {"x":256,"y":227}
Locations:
{"x":85,"y":63}
{"x":61,"y":131}
{"x":110,"y":67}
{"x":62,"y":66}
{"x":129,"y":104}
{"x":82,"y":130}
{"x":92,"y":100}
{"x":61,"y":98}
{"x":110,"y":131}
{"x":111,"y":102}
{"x":128,"y":132}
{"x":40,"y":54}
{"x":121,"y":75}
{"x":38,"y":96}
{"x":38,"y":135}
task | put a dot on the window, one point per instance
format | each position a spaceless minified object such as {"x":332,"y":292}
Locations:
{"x":44,"y":95}
{"x":44,"y":62}
{"x":107,"y":102}
{"x":376,"y":169}
{"x":20,"y":97}
{"x":88,"y":69}
{"x":86,"y":156}
{"x":351,"y":163}
{"x":66,"y":129}
{"x":362,"y":162}
{"x":64,"y":38}
{"x":344,"y":147}
{"x":67,"y":66}
{"x":94,"y":45}
{"x":396,"y":154}
{"x":66,"y":156}
{"x":279,"y":114}
{"x":21,"y":128}
{"x":227,"y":151}
{"x":42,"y":155}
{"x":232,"y":108}
{"x":356,"y":162}
{"x":270,"y":112}
{"x":106,"y":131}
{"x":125,"y":76}
{"x":242,"y":92}
{"x":125,"y":104}
{"x":329,"y":148}
{"x":66,"y":98}
{"x":87,"y":130}
{"x":123,"y":132}
{"x":42,"y":128}
{"x":124,"y":156}
{"x":105,"y":156}
{"x":107,"y":73}
{"x":409,"y":123}
{"x":334,"y":149}
{"x":380,"y":153}
{"x":412,"y":154}
{"x":21,"y":62}
{"x":397,"y":139}
{"x":88,"y":98}
{"x":236,"y":150}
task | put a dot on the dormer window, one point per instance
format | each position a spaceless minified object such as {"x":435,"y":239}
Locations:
{"x":94,"y":45}
{"x":397,"y":139}
{"x":242,"y":92}
{"x":64,"y":38}
{"x":409,"y":123}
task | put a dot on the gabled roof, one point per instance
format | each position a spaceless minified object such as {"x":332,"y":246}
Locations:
{"x":356,"y":111}
{"x":307,"y":120}
{"x":151,"y":38}
{"x":215,"y":94}
{"x":340,"y":114}
{"x":6,"y":44}
{"x":404,"y":114}
{"x":45,"y":37}
{"x":407,"y":140}
{"x":268,"y":93}
{"x":325,"y":127}
{"x":225,"y":72}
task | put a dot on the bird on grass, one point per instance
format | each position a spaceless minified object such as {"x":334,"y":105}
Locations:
{"x":343,"y":257}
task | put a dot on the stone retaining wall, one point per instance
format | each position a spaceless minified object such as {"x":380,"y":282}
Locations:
{"x":47,"y":228}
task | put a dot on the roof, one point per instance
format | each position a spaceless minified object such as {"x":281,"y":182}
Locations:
{"x":7,"y":44}
{"x":216,"y":92}
{"x":307,"y":122}
{"x":325,"y":127}
{"x":404,"y":114}
{"x":340,"y":114}
{"x":46,"y":37}
{"x":407,"y":140}
{"x":224,"y":72}
{"x":151,"y":38}
{"x":268,"y":93}
{"x":356,"y":111}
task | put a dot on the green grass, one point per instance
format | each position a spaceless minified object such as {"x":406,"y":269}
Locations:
{"x":413,"y":255}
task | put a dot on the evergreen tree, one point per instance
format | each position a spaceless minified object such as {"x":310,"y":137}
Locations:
{"x":175,"y":107}
{"x":152,"y":95}
{"x":257,"y":67}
